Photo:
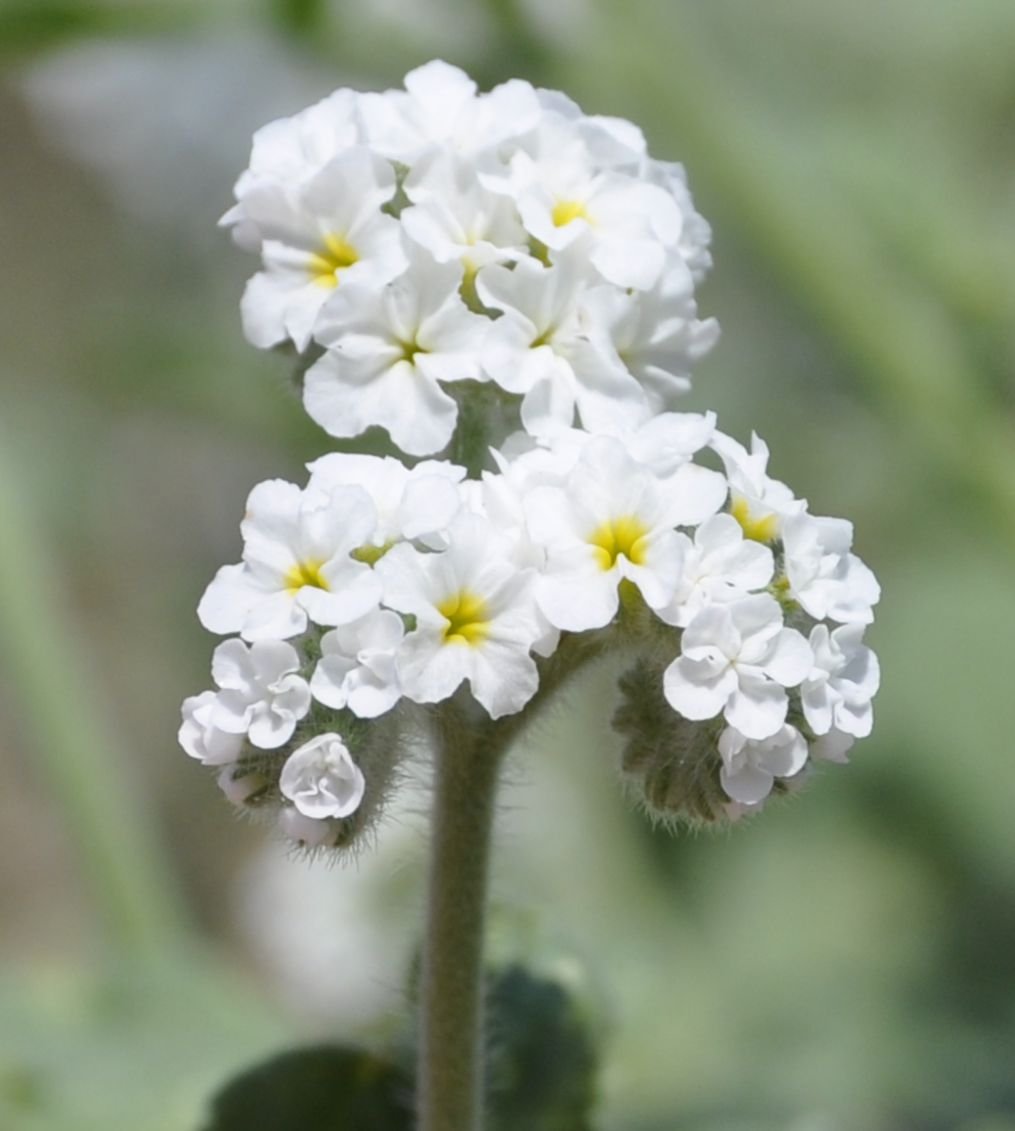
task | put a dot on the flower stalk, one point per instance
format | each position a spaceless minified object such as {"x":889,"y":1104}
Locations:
{"x":450,"y":1076}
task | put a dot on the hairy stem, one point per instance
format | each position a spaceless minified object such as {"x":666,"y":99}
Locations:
{"x":451,"y":1063}
{"x":470,"y":750}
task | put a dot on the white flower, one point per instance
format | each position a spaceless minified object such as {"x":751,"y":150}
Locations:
{"x":750,"y":766}
{"x":823,"y":576}
{"x":537,"y":348}
{"x":721,"y":565}
{"x":739,"y":659}
{"x":759,"y":503}
{"x":845,"y":677}
{"x":262,"y":694}
{"x":296,"y":566}
{"x":200,"y":738}
{"x":456,"y":218}
{"x":613,"y":520}
{"x":389,"y":352}
{"x":654,"y":335}
{"x":440,"y":107}
{"x":565,"y":191}
{"x":315,"y":236}
{"x":322,"y":780}
{"x":357,"y":665}
{"x":476,"y":619}
{"x":832,"y":747}
{"x":290,"y":151}
{"x":418,"y":503}
{"x":695,"y":232}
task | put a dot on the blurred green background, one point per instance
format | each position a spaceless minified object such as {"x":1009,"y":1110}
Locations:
{"x":844,"y":963}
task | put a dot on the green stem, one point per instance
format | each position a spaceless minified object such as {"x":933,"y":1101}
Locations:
{"x":59,"y":714}
{"x":470,"y":749}
{"x":451,"y":1062}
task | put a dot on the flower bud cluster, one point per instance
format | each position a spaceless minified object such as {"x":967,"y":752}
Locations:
{"x":434,"y":237}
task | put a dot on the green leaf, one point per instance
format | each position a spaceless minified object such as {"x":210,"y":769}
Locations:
{"x":326,"y":1088}
{"x":543,"y":1054}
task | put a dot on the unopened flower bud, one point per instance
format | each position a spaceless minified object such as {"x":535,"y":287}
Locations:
{"x":672,"y":763}
{"x":242,"y":786}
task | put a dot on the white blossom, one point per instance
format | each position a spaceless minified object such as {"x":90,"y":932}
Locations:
{"x":262,"y":695}
{"x":613,"y":521}
{"x":538,"y":348}
{"x":845,"y":677}
{"x":390,"y":351}
{"x":655,"y":336}
{"x":357,"y":665}
{"x":324,"y":233}
{"x":750,"y":766}
{"x":322,"y":780}
{"x":476,"y":618}
{"x":720,"y":565}
{"x":418,"y":503}
{"x":440,"y":107}
{"x":456,"y":218}
{"x":568,"y":187}
{"x":759,"y":503}
{"x":297,"y":564}
{"x":822,"y":575}
{"x":738,"y":659}
{"x":200,"y":738}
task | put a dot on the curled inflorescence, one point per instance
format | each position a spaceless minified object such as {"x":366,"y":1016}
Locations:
{"x":449,"y":264}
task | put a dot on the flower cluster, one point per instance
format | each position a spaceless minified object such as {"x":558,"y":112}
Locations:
{"x":435,"y":236}
{"x":438,"y":237}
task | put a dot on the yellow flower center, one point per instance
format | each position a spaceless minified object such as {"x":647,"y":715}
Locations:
{"x":335,"y":256}
{"x":625,"y":535}
{"x":467,"y":616}
{"x":564,"y":211}
{"x":762,"y":529}
{"x":305,"y":573}
{"x":410,"y":350}
{"x":369,"y":554}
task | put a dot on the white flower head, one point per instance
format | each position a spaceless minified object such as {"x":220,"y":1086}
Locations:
{"x":476,"y":618}
{"x":357,"y":665}
{"x":738,"y":659}
{"x":822,"y":575}
{"x":322,"y":780}
{"x":324,"y":233}
{"x":750,"y":766}
{"x":845,"y":677}
{"x":720,"y":565}
{"x":390,"y":351}
{"x":262,"y":695}
{"x":200,"y":738}
{"x":612,"y":521}
{"x":297,"y":564}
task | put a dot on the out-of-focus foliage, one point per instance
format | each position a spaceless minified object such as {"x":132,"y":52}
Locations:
{"x":846,"y":963}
